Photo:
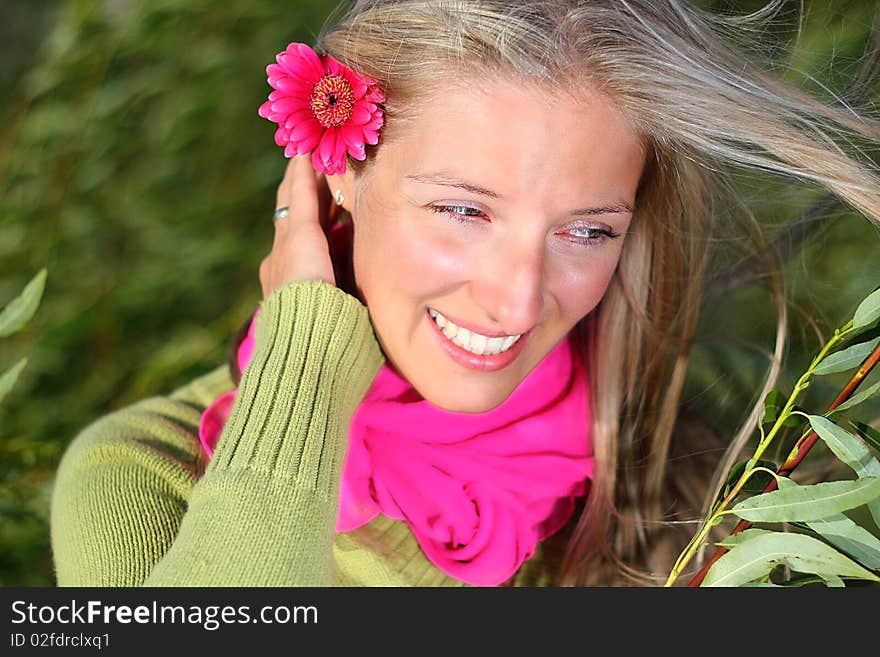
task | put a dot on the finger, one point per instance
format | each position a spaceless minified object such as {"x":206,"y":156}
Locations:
{"x":325,"y":202}
{"x":282,"y":195}
{"x":302,"y":190}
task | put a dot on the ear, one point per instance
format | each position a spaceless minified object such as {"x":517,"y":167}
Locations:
{"x":343,"y":184}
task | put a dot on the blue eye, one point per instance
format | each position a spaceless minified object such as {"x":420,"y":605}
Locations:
{"x":461,"y":213}
{"x":590,"y":235}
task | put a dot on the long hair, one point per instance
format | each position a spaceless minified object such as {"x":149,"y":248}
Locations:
{"x":703,"y":108}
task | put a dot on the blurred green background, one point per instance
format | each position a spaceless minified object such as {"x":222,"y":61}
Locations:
{"x":134,"y":167}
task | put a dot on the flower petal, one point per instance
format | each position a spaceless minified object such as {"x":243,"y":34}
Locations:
{"x":317,"y":164}
{"x":301,"y":62}
{"x":274,"y":71}
{"x":304,"y":129}
{"x":354,"y":139}
{"x":375,"y":123}
{"x":327,"y":147}
{"x":331,"y":152}
{"x":333,"y":66}
{"x":290,"y":85}
{"x":287,"y":105}
{"x":299,"y":116}
{"x":358,"y":152}
{"x":360,"y":115}
{"x":358,"y":85}
{"x":351,"y":134}
{"x":282,"y":136}
{"x":374,"y":95}
{"x":308,"y":143}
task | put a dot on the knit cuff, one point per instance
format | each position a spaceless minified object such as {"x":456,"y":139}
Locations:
{"x":315,"y":356}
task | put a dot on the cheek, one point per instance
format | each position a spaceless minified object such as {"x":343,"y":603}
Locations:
{"x":579,"y":289}
{"x":395,"y":252}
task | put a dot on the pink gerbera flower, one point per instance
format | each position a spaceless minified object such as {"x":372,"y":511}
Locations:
{"x":322,"y":107}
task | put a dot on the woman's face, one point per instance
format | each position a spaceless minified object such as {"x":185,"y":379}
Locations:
{"x":504,"y":210}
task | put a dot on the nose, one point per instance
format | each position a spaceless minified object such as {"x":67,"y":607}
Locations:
{"x":510,"y":288}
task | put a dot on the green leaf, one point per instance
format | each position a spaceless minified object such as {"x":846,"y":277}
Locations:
{"x":804,"y":580}
{"x":762,"y":585}
{"x":868,"y":433}
{"x":19,"y":311}
{"x":793,"y":420}
{"x":868,"y":311}
{"x":832,"y":581}
{"x":847,"y":447}
{"x":735,"y":539}
{"x":844,"y":534}
{"x":755,"y":558}
{"x":846,"y":359}
{"x":852,"y":451}
{"x":806,"y":503}
{"x":732,"y":477}
{"x":774,"y":402}
{"x":759,"y":480}
{"x":756,"y":483}
{"x":855,"y":400}
{"x":8,"y":379}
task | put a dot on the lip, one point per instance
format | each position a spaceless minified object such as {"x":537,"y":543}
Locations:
{"x":487,"y":363}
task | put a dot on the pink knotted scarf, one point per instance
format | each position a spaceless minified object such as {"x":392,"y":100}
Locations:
{"x":479,"y":490}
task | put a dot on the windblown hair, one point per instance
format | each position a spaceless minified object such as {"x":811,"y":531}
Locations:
{"x":703,"y":108}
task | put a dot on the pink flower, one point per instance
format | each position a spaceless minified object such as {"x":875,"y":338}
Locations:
{"x":322,"y":107}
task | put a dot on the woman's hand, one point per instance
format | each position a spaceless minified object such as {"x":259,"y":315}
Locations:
{"x":300,"y":251}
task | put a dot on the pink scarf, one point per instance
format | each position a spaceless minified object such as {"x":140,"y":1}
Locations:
{"x":477,"y":490}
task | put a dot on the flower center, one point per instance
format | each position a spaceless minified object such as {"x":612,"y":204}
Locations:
{"x":332,"y":100}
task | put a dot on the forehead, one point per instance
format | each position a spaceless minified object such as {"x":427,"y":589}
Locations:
{"x":513,"y":136}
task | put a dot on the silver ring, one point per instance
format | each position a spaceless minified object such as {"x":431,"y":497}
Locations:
{"x":281,"y":213}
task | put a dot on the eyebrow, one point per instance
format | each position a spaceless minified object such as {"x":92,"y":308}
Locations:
{"x":618,"y":207}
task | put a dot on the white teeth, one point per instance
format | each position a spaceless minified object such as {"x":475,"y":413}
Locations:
{"x":478,"y":343}
{"x":494,"y":345}
{"x":462,"y":337}
{"x":474,"y":342}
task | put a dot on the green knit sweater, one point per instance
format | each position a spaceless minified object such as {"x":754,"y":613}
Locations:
{"x":136,"y":501}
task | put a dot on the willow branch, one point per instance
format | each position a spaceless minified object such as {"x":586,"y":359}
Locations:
{"x":798,"y":453}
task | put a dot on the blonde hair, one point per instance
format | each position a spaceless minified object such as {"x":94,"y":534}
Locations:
{"x":702,"y":107}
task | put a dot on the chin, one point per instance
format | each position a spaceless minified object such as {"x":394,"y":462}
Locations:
{"x":465,"y":401}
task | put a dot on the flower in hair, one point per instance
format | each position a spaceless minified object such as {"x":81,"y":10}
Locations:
{"x":322,"y":107}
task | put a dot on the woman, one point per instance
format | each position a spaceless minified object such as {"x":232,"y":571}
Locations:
{"x":476,"y":379}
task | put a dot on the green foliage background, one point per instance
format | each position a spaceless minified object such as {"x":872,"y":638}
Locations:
{"x":134,"y":167}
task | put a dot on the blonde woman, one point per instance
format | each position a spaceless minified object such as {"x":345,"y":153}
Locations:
{"x":486,"y":274}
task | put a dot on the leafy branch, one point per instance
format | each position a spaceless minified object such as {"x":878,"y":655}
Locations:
{"x":15,"y":317}
{"x":828,"y":544}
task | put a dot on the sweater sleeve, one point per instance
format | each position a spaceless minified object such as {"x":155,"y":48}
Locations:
{"x":129,"y":508}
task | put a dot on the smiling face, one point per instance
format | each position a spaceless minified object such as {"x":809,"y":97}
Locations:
{"x":504,"y":210}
